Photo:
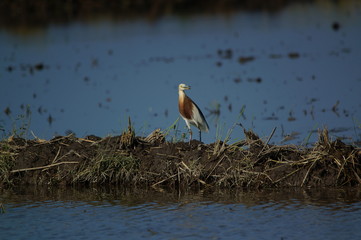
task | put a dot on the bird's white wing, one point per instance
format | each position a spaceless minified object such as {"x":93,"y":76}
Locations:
{"x":199,"y":119}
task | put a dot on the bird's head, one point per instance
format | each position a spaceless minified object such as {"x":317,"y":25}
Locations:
{"x":183,"y":87}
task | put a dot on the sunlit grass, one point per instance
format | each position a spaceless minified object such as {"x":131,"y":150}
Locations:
{"x":306,"y":140}
{"x":7,"y":160}
{"x":174,"y":134}
{"x":108,"y":166}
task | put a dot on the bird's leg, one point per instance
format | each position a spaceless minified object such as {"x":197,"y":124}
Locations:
{"x":200,"y":136}
{"x":190,"y":135}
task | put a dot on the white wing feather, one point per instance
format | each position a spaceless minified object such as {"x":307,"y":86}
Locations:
{"x":198,"y":119}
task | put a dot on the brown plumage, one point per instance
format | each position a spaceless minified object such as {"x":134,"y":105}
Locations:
{"x":190,"y":112}
{"x":185,"y":106}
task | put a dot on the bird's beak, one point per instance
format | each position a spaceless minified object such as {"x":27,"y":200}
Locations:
{"x":187,"y":87}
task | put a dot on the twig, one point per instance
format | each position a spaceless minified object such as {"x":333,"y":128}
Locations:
{"x":56,"y":156}
{"x":257,"y":173}
{"x":201,"y":181}
{"x":66,"y":154}
{"x":155,"y":184}
{"x":357,"y":176}
{"x":284,"y":177}
{"x":38,"y":140}
{"x":41,"y":142}
{"x":269,"y":138}
{"x":166,"y":155}
{"x":42,"y":167}
{"x":178,"y":174}
{"x":215,"y":166}
{"x":308,"y":171}
{"x":152,"y":173}
{"x":32,"y":133}
{"x":87,"y":140}
{"x":341,"y":168}
{"x":185,"y":165}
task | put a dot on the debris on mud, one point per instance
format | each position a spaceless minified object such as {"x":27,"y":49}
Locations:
{"x":152,"y":161}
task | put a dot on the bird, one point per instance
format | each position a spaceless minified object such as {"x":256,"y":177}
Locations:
{"x":190,"y":112}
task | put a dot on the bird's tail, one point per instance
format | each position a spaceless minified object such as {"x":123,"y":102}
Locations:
{"x":204,"y":127}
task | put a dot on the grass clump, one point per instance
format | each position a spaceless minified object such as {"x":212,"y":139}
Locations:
{"x":112,"y":163}
{"x":340,"y":158}
{"x":173,"y":134}
{"x":7,"y":160}
{"x":108,"y":166}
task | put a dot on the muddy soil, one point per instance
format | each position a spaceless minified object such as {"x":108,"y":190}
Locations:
{"x":129,"y":160}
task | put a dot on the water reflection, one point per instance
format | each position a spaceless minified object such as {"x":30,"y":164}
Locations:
{"x":132,"y":197}
{"x":92,"y":213}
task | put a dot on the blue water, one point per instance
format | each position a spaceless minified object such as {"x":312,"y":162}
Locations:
{"x":145,"y":214}
{"x":95,"y":74}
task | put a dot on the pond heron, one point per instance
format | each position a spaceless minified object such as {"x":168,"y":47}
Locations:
{"x":190,"y":112}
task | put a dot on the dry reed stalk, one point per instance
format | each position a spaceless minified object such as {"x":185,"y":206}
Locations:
{"x":308,"y":171}
{"x":220,"y":160}
{"x":156,"y":136}
{"x":42,"y":167}
{"x":166,"y":179}
{"x":266,"y":144}
{"x":127,"y":139}
{"x":286,"y":176}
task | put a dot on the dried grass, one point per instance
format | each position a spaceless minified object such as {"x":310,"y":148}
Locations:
{"x":108,"y":166}
{"x":150,"y":161}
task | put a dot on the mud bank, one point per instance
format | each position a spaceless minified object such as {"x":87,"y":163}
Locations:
{"x":151,"y":161}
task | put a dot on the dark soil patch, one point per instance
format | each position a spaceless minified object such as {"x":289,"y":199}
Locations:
{"x":130,"y":160}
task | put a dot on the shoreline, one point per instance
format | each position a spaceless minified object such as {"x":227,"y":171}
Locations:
{"x":135,"y":161}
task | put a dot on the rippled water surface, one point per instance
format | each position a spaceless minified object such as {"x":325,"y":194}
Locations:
{"x":37,"y":213}
{"x":297,"y":69}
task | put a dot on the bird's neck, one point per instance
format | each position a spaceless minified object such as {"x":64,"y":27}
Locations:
{"x":181,"y":94}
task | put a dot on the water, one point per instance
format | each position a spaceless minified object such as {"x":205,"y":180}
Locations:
{"x":88,"y":77}
{"x":40,"y":213}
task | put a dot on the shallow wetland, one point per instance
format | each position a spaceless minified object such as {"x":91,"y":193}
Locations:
{"x":278,"y":82}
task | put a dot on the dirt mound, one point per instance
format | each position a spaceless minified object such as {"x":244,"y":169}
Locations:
{"x":151,"y":161}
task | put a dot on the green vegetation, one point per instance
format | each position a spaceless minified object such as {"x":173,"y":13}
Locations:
{"x":5,"y":165}
{"x":7,"y":159}
{"x":20,"y":125}
{"x":172,"y":132}
{"x":108,"y":166}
